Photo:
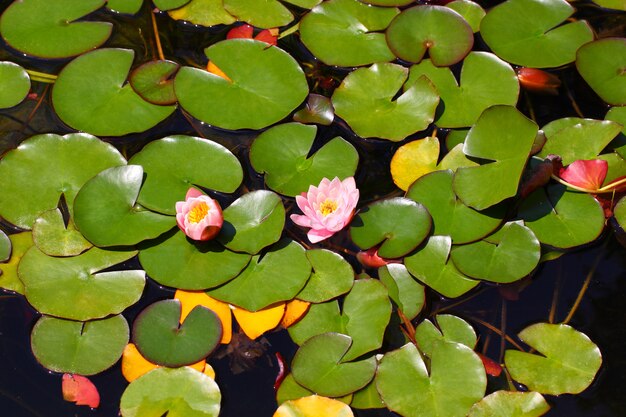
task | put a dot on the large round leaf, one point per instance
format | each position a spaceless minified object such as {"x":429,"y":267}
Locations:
{"x":531,"y":33}
{"x":319,"y":366}
{"x":20,"y":244}
{"x":601,"y":64}
{"x":332,"y":276}
{"x":450,"y":329}
{"x":262,"y":14}
{"x":83,"y":348}
{"x":75,"y":288}
{"x":282,"y":153}
{"x":510,"y":404}
{"x":53,"y":237}
{"x":47,"y":29}
{"x":408,"y":294}
{"x":176,"y":261}
{"x":366,"y":100}
{"x":180,"y":392}
{"x":163,"y":338}
{"x":108,"y":107}
{"x":485,"y":81}
{"x":265,"y":84}
{"x":106,"y":210}
{"x":455,"y":382}
{"x":204,"y":13}
{"x":439,"y":30}
{"x":14,"y":84}
{"x":346,"y":33}
{"x":44,"y":167}
{"x":568,"y":363}
{"x":397,"y":224}
{"x":175,"y":163}
{"x":278,"y":275}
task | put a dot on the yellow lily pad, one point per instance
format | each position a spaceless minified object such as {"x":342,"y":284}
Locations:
{"x":254,"y":324}
{"x":313,"y":406}
{"x":295,"y":310}
{"x":413,"y":160}
{"x":135,"y":365}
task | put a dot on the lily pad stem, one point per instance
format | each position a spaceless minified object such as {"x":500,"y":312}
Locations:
{"x":156,"y":37}
{"x":606,"y":189}
{"x":497,"y":331}
{"x":41,"y":76}
{"x":407,"y":327}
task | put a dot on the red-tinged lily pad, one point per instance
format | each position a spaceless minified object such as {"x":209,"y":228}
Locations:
{"x":313,"y":406}
{"x":80,"y":390}
{"x":332,"y":276}
{"x":14,"y":84}
{"x":204,"y":13}
{"x":588,"y":174}
{"x":162,"y":338}
{"x":47,"y":29}
{"x":154,"y":81}
{"x":55,"y":238}
{"x":20,"y":243}
{"x":318,"y":109}
{"x":262,"y":14}
{"x":83,"y":348}
{"x":408,"y":294}
{"x":511,"y":404}
{"x":601,"y":64}
{"x":449,"y":329}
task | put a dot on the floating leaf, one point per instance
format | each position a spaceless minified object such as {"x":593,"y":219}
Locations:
{"x":414,"y":159}
{"x":511,"y":404}
{"x":346,"y":33}
{"x":453,"y":329}
{"x":408,"y":294}
{"x":20,"y":243}
{"x":367,"y":398}
{"x":318,"y":109}
{"x":612,"y":4}
{"x":366,"y":100}
{"x":471,"y":12}
{"x":531,"y":33}
{"x":153,"y":81}
{"x":601,"y":63}
{"x":76,"y":288}
{"x":263,"y":14}
{"x":190,"y":299}
{"x":313,"y":406}
{"x":568,"y":364}
{"x":255,"y":323}
{"x":134,"y":365}
{"x":332,"y":276}
{"x":125,"y":6}
{"x":169,"y":4}
{"x":619,"y":211}
{"x":54,"y":238}
{"x":294,"y":311}
{"x":5,"y":247}
{"x":14,"y":83}
{"x":282,"y":153}
{"x":80,"y":390}
{"x":305,"y":4}
{"x":203,"y":12}
{"x":84,"y":348}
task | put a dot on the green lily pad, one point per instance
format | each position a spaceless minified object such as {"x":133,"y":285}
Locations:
{"x":472,"y":12}
{"x":367,"y":398}
{"x":568,"y":363}
{"x":20,"y":243}
{"x":450,"y":216}
{"x":531,"y":32}
{"x":252,"y":222}
{"x":503,"y":136}
{"x":24,"y":196}
{"x":366,"y":100}
{"x":601,"y":63}
{"x":180,"y":392}
{"x":455,"y":159}
{"x":321,"y":318}
{"x":455,"y":382}
{"x":282,"y":153}
{"x":106,"y":210}
{"x":346,"y":33}
{"x":408,"y":294}
{"x":204,"y":13}
{"x":265,"y":85}
{"x":54,"y":238}
{"x":262,"y":14}
{"x":74,"y":347}
{"x":332,"y":276}
{"x":618,"y":114}
{"x":125,"y":6}
{"x":109,"y":107}
{"x":453,"y":329}
{"x":437,"y":29}
{"x":178,"y":262}
{"x":398,"y":224}
{"x":486,"y":80}
{"x":511,"y":404}
{"x":430,"y":265}
{"x":506,"y":256}
{"x":75,"y":288}
{"x":48,"y":29}
{"x":14,"y":84}
{"x":154,"y":82}
{"x":612,"y":4}
{"x":176,"y":163}
{"x":5,"y":247}
{"x":387,"y":2}
{"x":162,"y":339}
{"x":318,"y":109}
{"x":319,"y":366}
{"x":169,"y":4}
{"x":456,"y":137}
{"x":562,"y":219}
{"x":277,"y":276}
{"x":290,"y":390}
{"x":619,"y":212}
{"x":305,"y":4}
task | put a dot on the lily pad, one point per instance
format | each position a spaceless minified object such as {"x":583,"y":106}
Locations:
{"x":430,"y":265}
{"x":109,"y":107}
{"x":5,"y":247}
{"x":511,"y":404}
{"x":367,"y":398}
{"x":612,"y":4}
{"x":437,"y":29}
{"x":314,"y":406}
{"x":48,"y":29}
{"x":162,"y":338}
{"x":451,"y":329}
{"x":180,"y":392}
{"x":154,"y":82}
{"x":20,"y":244}
{"x":264,"y":85}
{"x":175,"y":261}
{"x":332,"y":276}
{"x":486,"y":80}
{"x":531,"y":32}
{"x":503,"y":136}
{"x":282,"y":153}
{"x":408,"y":294}
{"x":204,"y":13}
{"x":619,"y":211}
{"x":263,"y":14}
{"x":413,"y":160}
{"x":366,"y":100}
{"x":305,"y":4}
{"x":14,"y":83}
{"x":76,"y":288}
{"x":346,"y":33}
{"x":54,"y":238}
{"x":278,"y":275}
{"x":398,"y":224}
{"x":455,"y":382}
{"x":125,"y":6}
{"x":318,"y":109}
{"x":74,"y":347}
{"x":568,"y":364}
{"x":106,"y":210}
{"x":169,"y":4}
{"x":601,"y":63}
{"x":472,"y":12}
{"x":319,"y":366}
{"x":23,"y":196}
{"x":175,"y":163}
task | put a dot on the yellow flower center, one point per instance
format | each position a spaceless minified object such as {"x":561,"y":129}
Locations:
{"x":328,"y":206}
{"x":198,"y":213}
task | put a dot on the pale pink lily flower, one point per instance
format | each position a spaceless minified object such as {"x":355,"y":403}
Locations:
{"x":327,"y":208}
{"x":199,"y":216}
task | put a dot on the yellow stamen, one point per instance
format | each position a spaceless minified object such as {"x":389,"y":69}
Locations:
{"x":328,"y":206}
{"x":198,"y":213}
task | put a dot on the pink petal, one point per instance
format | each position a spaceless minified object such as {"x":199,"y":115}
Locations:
{"x":80,"y":390}
{"x":300,"y":220}
{"x":588,"y":174}
{"x":317,"y":235}
{"x":193,"y":193}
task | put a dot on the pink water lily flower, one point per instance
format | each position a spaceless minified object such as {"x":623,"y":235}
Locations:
{"x":199,"y":216}
{"x":327,"y":208}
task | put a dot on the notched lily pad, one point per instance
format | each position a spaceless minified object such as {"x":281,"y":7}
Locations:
{"x":407,"y":293}
{"x":14,"y":84}
{"x":332,"y":276}
{"x":449,"y":329}
{"x":54,"y":238}
{"x":154,"y":81}
{"x":602,"y":64}
{"x":318,"y":109}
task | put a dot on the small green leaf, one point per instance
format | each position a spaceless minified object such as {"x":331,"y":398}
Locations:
{"x":453,"y":329}
{"x":263,"y":14}
{"x":318,"y":109}
{"x":332,"y":276}
{"x":54,"y":238}
{"x":153,"y":81}
{"x":408,"y":294}
{"x":14,"y":84}
{"x":472,"y":12}
{"x":510,"y":404}
{"x":204,"y":13}
{"x":5,"y":247}
{"x":125,"y":6}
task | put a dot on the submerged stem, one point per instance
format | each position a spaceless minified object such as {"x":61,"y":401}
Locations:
{"x":155,"y":28}
{"x":497,"y":331}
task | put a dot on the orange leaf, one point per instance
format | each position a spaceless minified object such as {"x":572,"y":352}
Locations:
{"x":539,"y":81}
{"x":190,"y":299}
{"x":313,"y":406}
{"x":254,"y":324}
{"x":296,"y":309}
{"x":268,"y":36}
{"x":80,"y":390}
{"x":240,"y":32}
{"x":492,"y":367}
{"x":214,"y":69}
